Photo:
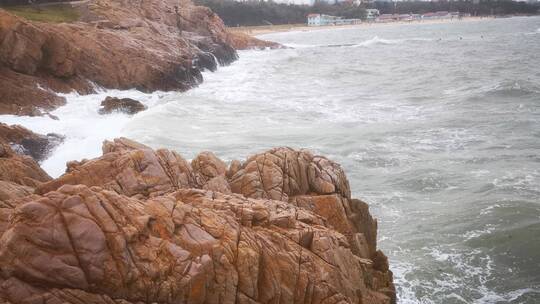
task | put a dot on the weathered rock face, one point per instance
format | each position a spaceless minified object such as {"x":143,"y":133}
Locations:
{"x":148,"y":45}
{"x":283,"y":173}
{"x":124,"y":105}
{"x":19,"y":175}
{"x":26,"y":142}
{"x":19,"y":169}
{"x":135,"y":226}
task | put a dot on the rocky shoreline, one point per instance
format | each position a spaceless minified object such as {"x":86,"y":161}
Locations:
{"x":138,"y":225}
{"x":145,"y":45}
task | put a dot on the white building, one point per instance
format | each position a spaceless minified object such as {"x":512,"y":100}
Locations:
{"x":321,"y":20}
{"x":303,"y":2}
{"x":372,"y":14}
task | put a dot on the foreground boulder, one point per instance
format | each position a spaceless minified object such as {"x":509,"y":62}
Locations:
{"x":123,"y":105}
{"x":141,"y":226}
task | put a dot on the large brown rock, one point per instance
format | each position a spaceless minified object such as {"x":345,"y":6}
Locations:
{"x":190,"y":246}
{"x":242,"y":41}
{"x":19,"y":174}
{"x":142,"y":226}
{"x":283,"y":172}
{"x":129,"y":170}
{"x":207,"y":166}
{"x":319,"y":185}
{"x":147,"y":45}
{"x":123,"y":105}
{"x":19,"y":94}
{"x":20,"y":169}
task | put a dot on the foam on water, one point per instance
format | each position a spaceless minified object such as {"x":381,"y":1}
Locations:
{"x":84,"y":129}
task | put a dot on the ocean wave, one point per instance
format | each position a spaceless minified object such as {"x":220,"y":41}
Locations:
{"x":370,"y":42}
{"x":424,"y":181}
{"x":376,"y":40}
{"x":454,"y":276}
{"x":473,"y":234}
{"x":519,"y":181}
{"x":380,"y":41}
{"x":300,"y":46}
{"x":512,"y":88}
{"x":493,"y":297}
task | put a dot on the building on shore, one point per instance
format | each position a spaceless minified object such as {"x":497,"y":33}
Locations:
{"x":322,"y":20}
{"x":372,"y":14}
{"x":417,"y":17}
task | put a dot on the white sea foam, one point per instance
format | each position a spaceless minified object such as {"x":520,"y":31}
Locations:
{"x":489,"y":297}
{"x":300,"y":46}
{"x":84,"y":129}
{"x":376,"y":40}
{"x":488,"y":229}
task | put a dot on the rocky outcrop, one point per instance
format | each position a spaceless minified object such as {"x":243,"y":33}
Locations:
{"x":122,"y":105}
{"x":19,"y":173}
{"x":26,"y":142}
{"x":242,"y":41}
{"x":20,"y":169}
{"x":147,"y":45}
{"x":142,"y":226}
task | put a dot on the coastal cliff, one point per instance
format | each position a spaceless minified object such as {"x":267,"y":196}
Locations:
{"x":138,"y":225}
{"x":119,"y":44}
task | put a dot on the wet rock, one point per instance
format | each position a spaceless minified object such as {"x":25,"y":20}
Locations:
{"x":26,"y":142}
{"x":123,"y":105}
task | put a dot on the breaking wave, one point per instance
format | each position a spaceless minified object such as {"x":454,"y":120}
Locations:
{"x":370,"y":42}
{"x":513,"y":88}
{"x":84,"y":129}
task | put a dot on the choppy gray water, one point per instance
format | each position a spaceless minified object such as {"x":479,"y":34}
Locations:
{"x":437,"y":127}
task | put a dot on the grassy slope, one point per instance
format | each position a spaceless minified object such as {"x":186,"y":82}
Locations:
{"x":49,"y":13}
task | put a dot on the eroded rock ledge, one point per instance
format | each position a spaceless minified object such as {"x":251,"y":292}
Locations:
{"x":117,"y":44}
{"x":138,"y":225}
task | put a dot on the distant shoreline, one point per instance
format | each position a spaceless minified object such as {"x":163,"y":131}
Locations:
{"x":270,"y":29}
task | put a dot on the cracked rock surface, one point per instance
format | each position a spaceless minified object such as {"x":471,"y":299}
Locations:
{"x":138,"y":225}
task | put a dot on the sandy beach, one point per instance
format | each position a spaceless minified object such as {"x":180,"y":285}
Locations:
{"x":268,"y":29}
